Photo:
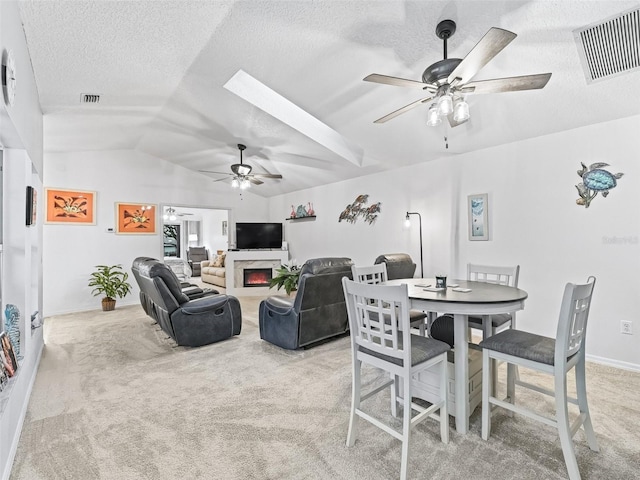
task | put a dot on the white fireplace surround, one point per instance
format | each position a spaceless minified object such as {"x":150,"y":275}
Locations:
{"x":236,"y":262}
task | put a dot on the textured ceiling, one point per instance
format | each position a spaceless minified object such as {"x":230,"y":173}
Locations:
{"x":161,"y":66}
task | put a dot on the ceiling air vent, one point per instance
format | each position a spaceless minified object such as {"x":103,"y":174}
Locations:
{"x":89,"y":98}
{"x":611,"y":47}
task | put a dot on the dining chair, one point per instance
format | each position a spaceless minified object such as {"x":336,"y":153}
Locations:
{"x":442,"y":327}
{"x":381,"y":337}
{"x":374,"y":275}
{"x":552,"y":356}
{"x":500,"y":276}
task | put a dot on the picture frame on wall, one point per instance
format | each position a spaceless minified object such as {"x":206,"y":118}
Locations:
{"x":136,"y":219}
{"x":478,"y":210}
{"x":31,"y":201}
{"x":71,"y":207}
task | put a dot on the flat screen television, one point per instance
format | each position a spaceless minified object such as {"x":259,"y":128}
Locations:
{"x":258,"y":235}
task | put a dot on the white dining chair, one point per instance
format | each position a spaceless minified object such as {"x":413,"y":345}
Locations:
{"x":490,"y":325}
{"x":555,"y":357}
{"x":381,"y":337}
{"x":374,"y":275}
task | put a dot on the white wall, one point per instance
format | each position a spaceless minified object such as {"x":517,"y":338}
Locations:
{"x":21,"y":135}
{"x":71,"y":252}
{"x":212,"y":230}
{"x":534,"y":222}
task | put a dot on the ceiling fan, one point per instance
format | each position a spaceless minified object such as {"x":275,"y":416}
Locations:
{"x":241,"y":173}
{"x":448,"y":80}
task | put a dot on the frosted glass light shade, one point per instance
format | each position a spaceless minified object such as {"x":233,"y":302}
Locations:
{"x":461,"y":111}
{"x":445,"y":105}
{"x":235,"y":183}
{"x":433,"y":118}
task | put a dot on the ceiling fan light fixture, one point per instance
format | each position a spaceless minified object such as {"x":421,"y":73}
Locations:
{"x":433,"y":119}
{"x":235,"y":183}
{"x":461,"y":111}
{"x":170,"y":214}
{"x":244,"y":184}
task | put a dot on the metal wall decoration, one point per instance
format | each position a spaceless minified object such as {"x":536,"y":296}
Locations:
{"x":595,"y":179}
{"x":358,"y":209}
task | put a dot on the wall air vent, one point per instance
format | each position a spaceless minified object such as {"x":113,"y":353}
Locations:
{"x":89,"y":98}
{"x":611,"y":47}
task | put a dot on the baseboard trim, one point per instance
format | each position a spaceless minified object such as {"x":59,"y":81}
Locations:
{"x":634,"y":367}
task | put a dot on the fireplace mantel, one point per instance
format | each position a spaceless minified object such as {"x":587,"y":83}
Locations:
{"x":277,"y":256}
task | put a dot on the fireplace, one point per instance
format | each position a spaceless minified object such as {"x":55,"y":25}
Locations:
{"x":257,"y":277}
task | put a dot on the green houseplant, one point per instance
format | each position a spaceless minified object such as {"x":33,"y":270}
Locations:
{"x":286,"y":276}
{"x":111,"y":282}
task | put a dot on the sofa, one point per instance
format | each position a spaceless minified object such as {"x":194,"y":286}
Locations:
{"x":213,"y":271}
{"x":317,"y":312}
{"x":188,"y":321}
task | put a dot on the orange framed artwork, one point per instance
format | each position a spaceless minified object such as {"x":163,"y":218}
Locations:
{"x":135,"y":218}
{"x":70,"y":206}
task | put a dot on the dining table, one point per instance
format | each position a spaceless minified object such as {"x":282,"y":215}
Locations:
{"x":460,"y":299}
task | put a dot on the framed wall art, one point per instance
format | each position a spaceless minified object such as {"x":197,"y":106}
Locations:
{"x":135,"y":218}
{"x":478,"y":208}
{"x":70,"y":206}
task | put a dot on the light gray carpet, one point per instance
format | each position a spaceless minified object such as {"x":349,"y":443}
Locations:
{"x":114,"y":399}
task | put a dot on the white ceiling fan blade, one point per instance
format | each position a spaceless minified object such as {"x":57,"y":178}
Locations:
{"x":397,"y":82}
{"x":488,"y":47}
{"x":402,"y":110}
{"x":253,"y":180}
{"x":509,"y":84}
{"x":217,"y":173}
{"x":267,"y":175}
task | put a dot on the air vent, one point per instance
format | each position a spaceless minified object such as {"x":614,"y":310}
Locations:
{"x":89,"y":98}
{"x":611,"y":47}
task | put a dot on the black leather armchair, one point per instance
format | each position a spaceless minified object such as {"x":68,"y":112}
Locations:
{"x":399,"y":265}
{"x":190,"y":322}
{"x":195,"y":255}
{"x":318,"y":310}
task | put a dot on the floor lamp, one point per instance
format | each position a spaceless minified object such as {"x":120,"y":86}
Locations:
{"x":408,"y":224}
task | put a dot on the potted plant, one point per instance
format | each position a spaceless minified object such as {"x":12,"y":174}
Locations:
{"x":286,"y":276}
{"x":111,"y":282}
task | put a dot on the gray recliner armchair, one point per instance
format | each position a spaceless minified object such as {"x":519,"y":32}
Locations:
{"x":318,"y":310}
{"x":399,"y":265}
{"x":190,"y":322}
{"x":195,"y":255}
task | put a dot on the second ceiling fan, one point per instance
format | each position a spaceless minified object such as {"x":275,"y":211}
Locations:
{"x":448,"y":80}
{"x":241,"y":173}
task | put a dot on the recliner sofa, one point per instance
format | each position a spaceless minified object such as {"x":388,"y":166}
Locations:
{"x":190,"y":322}
{"x":317,"y":312}
{"x":399,"y":265}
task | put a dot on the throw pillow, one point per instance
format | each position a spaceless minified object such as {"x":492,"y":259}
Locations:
{"x":224,"y":258}
{"x":219,"y":261}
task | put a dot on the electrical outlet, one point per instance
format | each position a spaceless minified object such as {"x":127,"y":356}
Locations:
{"x":625,"y":327}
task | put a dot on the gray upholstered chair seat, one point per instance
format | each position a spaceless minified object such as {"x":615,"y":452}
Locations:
{"x":523,"y":345}
{"x":497,"y":320}
{"x":422,"y":349}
